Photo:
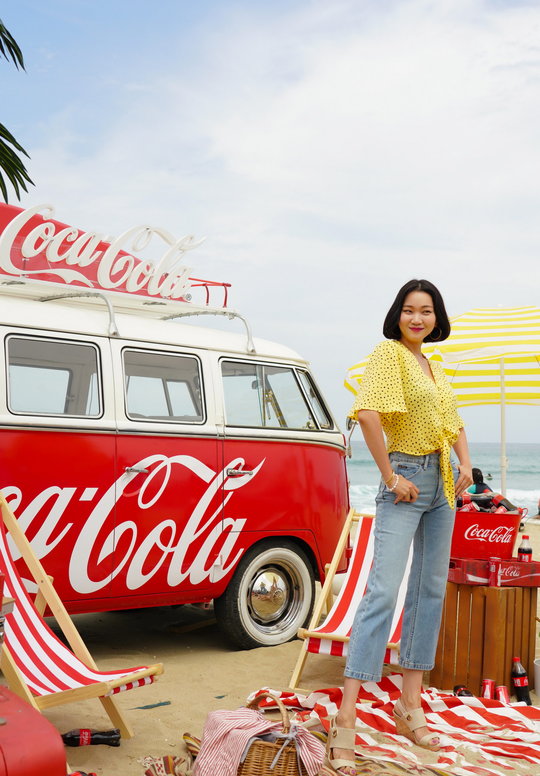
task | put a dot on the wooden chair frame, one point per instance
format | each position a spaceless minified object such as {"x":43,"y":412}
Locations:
{"x":48,"y":597}
{"x":325,"y":600}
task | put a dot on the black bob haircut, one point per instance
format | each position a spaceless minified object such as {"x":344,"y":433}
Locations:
{"x":391,"y":322}
{"x":478,"y":477}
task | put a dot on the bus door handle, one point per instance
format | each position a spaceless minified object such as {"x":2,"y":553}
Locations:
{"x":131,"y":469}
{"x":237,"y":472}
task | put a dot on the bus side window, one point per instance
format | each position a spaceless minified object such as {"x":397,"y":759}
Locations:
{"x":162,"y":386}
{"x":53,"y":377}
{"x":264,"y":395}
{"x":314,"y":398}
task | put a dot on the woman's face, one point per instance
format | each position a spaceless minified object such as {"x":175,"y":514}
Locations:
{"x":417,"y":319}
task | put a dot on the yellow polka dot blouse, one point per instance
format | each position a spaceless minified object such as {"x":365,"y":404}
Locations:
{"x":418,"y":415}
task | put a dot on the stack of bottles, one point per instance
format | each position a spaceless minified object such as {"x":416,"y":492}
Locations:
{"x":485,"y":502}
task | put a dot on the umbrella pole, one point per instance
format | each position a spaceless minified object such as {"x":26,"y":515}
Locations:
{"x":504,"y":461}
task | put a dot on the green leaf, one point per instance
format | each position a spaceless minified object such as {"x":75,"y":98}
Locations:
{"x":9,"y":48}
{"x":12,"y":166}
{"x":3,"y":188}
{"x":6,"y":134}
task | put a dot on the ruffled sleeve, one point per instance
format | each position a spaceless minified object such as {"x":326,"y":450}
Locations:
{"x":381,"y":388}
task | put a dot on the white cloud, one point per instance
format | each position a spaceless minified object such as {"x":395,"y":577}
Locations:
{"x":329,"y":152}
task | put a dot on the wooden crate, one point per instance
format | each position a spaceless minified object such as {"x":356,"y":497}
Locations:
{"x":482,"y":629}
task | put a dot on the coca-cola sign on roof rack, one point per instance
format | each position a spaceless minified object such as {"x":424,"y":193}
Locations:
{"x":33,"y":245}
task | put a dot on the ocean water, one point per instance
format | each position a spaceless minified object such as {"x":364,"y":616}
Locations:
{"x":522,"y":474}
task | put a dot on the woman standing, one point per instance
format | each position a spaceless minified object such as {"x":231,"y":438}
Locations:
{"x":406,"y":398}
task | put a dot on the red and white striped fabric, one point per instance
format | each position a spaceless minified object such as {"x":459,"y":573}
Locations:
{"x":480,"y":737}
{"x":333,"y":634}
{"x":45,"y":663}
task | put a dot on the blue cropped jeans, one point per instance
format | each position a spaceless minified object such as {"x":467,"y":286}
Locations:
{"x":427,"y":523}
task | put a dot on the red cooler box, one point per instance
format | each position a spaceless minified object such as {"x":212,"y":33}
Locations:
{"x":484,"y":534}
{"x":29,"y":744}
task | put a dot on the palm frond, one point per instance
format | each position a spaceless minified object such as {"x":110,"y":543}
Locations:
{"x":11,"y":165}
{"x":9,"y":48}
{"x":12,"y":168}
{"x":6,"y":135}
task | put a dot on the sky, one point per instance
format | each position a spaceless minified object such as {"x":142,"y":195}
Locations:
{"x":328,"y":152}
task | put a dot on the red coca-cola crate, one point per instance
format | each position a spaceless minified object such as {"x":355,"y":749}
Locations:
{"x":484,"y":534}
{"x":514,"y":573}
{"x":468,"y":571}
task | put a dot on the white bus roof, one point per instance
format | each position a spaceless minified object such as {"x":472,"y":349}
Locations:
{"x":39,"y":305}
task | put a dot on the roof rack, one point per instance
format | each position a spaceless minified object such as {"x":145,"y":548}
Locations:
{"x":113,"y":328}
{"x":119,"y":302}
{"x":230,"y":314}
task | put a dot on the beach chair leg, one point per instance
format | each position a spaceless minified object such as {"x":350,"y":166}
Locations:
{"x":14,"y":678}
{"x":299,"y":667}
{"x":116,"y":717}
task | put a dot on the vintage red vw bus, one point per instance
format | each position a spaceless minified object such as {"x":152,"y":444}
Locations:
{"x":153,"y":462}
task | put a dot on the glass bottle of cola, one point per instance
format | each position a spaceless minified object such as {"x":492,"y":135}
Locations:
{"x":86,"y":737}
{"x":525,"y":550}
{"x":82,"y":773}
{"x":461,"y":690}
{"x":520,"y":680}
{"x":498,"y":501}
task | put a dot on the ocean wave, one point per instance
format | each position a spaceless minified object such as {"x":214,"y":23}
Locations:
{"x":522,"y":495}
{"x":362,"y":498}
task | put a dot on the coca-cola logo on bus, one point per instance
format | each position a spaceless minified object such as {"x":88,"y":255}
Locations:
{"x":500,"y":534}
{"x":33,"y":245}
{"x":199,"y":532}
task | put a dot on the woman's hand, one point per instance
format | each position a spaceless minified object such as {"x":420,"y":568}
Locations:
{"x":464,"y":480}
{"x":405,"y":490}
{"x":461,"y":449}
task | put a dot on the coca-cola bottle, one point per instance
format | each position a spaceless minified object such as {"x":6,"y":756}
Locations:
{"x":461,"y":690}
{"x":520,"y":680}
{"x":499,"y":501}
{"x":86,"y":737}
{"x":525,"y":549}
{"x":463,"y":500}
{"x":82,"y":773}
{"x":465,"y":504}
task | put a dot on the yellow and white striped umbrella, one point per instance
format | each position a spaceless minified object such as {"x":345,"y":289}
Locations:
{"x":492,"y":356}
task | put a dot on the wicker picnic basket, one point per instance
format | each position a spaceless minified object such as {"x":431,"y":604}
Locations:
{"x":261,"y":754}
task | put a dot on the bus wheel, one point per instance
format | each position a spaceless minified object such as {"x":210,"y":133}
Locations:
{"x":269,"y":597}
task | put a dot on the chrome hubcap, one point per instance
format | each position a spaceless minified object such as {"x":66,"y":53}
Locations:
{"x":274,"y":596}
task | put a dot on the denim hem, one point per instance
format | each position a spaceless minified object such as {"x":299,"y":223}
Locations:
{"x":362,"y":676}
{"x":416,"y":666}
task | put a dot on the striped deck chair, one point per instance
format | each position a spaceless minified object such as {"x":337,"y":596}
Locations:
{"x":331,"y":637}
{"x":37,"y":665}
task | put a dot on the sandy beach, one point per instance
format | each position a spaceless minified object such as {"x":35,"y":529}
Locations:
{"x":202,"y":673}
